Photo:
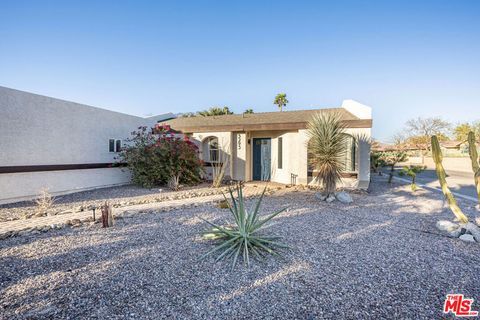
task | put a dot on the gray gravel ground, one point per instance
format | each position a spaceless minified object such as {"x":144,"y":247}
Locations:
{"x":380,"y":257}
{"x":121,"y":194}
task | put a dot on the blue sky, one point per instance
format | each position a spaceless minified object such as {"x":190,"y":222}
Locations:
{"x":403,"y":58}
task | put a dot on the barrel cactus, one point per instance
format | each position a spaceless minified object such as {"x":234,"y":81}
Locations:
{"x":437,"y":158}
{"x":472,"y":150}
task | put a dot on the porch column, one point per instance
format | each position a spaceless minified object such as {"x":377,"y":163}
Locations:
{"x":363,"y":164}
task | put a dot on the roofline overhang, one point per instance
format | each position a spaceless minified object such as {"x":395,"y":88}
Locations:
{"x":360,"y":123}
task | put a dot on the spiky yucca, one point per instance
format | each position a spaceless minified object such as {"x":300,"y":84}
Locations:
{"x":327,"y":148}
{"x":246,"y":236}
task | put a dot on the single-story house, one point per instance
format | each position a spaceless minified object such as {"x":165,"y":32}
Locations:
{"x":60,"y":145}
{"x":273,"y":146}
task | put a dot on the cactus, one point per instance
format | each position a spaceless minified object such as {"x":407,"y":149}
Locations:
{"x":437,"y":158}
{"x":472,"y":150}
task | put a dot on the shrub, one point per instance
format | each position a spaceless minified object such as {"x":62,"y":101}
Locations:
{"x":391,"y":158}
{"x":327,"y":145}
{"x":44,"y":202}
{"x":158,"y":157}
{"x":412,"y":172}
{"x":246,"y":236}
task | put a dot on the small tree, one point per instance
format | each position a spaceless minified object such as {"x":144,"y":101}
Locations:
{"x":248,"y":111}
{"x":412,"y":172}
{"x":281,"y":101}
{"x":327,"y":146}
{"x":462,"y":130}
{"x":391,"y":158}
{"x":419,"y":131}
{"x":159,"y":157}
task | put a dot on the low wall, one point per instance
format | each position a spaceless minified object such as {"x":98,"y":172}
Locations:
{"x":454,"y":164}
{"x":26,"y":186}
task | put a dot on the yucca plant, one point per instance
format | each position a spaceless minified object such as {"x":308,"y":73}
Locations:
{"x":246,"y":236}
{"x":327,"y":148}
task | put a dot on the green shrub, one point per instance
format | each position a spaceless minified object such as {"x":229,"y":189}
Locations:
{"x":412,"y":172}
{"x":246,"y":236}
{"x":157,"y":157}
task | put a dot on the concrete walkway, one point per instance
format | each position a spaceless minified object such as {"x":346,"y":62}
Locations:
{"x":36,"y":225}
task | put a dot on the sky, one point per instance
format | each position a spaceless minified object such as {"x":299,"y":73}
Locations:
{"x":405,"y":59}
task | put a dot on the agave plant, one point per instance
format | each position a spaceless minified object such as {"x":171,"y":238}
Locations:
{"x":327,"y":147}
{"x":246,"y":236}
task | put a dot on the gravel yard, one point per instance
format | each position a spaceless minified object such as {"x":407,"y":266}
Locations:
{"x":121,"y":196}
{"x":380,"y":257}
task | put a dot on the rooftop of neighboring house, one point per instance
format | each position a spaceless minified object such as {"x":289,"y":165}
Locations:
{"x":448,"y":144}
{"x":286,"y":120}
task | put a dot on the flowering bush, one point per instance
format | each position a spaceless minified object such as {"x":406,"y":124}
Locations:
{"x":158,"y":157}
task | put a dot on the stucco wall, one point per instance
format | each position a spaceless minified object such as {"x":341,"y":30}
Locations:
{"x":24,"y":186}
{"x":39,"y":130}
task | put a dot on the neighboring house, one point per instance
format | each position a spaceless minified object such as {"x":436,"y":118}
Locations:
{"x":273,"y":146}
{"x":59,"y":145}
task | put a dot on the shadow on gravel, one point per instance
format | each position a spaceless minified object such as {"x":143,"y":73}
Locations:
{"x":375,"y":258}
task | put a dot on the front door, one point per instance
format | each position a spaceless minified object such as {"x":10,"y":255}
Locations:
{"x":261,"y":158}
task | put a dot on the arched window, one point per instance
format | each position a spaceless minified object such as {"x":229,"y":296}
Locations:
{"x":210,"y":149}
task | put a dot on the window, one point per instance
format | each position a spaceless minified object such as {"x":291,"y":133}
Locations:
{"x":111,"y":145}
{"x":280,"y":153}
{"x":211,"y":151}
{"x":118,"y":145}
{"x":114,"y":145}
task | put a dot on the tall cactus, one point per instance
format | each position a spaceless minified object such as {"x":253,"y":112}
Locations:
{"x":437,"y":158}
{"x":472,"y":150}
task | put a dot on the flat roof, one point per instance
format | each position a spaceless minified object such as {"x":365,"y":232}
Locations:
{"x":286,"y":120}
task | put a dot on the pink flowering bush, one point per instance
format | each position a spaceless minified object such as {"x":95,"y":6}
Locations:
{"x":158,"y":157}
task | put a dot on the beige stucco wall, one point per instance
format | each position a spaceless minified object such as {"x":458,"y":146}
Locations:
{"x":294,"y":154}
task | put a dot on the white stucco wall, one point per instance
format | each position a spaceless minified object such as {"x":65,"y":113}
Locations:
{"x":39,"y":130}
{"x":24,"y":186}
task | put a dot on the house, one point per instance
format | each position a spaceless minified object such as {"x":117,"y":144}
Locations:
{"x":60,"y":145}
{"x":273,"y":146}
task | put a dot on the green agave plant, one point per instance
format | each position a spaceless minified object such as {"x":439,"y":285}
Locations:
{"x":246,"y":236}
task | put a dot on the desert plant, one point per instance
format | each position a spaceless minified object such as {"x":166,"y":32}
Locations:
{"x":412,"y":172}
{"x":107,"y":215}
{"x":327,"y":147}
{"x":155,"y":155}
{"x":174,"y":182}
{"x":391,"y":158}
{"x":44,"y":202}
{"x":224,"y":204}
{"x":437,"y":158}
{"x":472,"y":150}
{"x":281,"y":101}
{"x":376,"y":162}
{"x":246,"y":236}
{"x":219,"y":167}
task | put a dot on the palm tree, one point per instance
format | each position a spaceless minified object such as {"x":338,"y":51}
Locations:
{"x":327,"y":148}
{"x":215,"y":111}
{"x":281,"y":101}
{"x":248,"y":111}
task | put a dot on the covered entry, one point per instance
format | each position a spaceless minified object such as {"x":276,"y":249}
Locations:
{"x":262,"y":156}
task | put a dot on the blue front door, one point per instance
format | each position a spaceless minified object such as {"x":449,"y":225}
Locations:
{"x":262,"y":155}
